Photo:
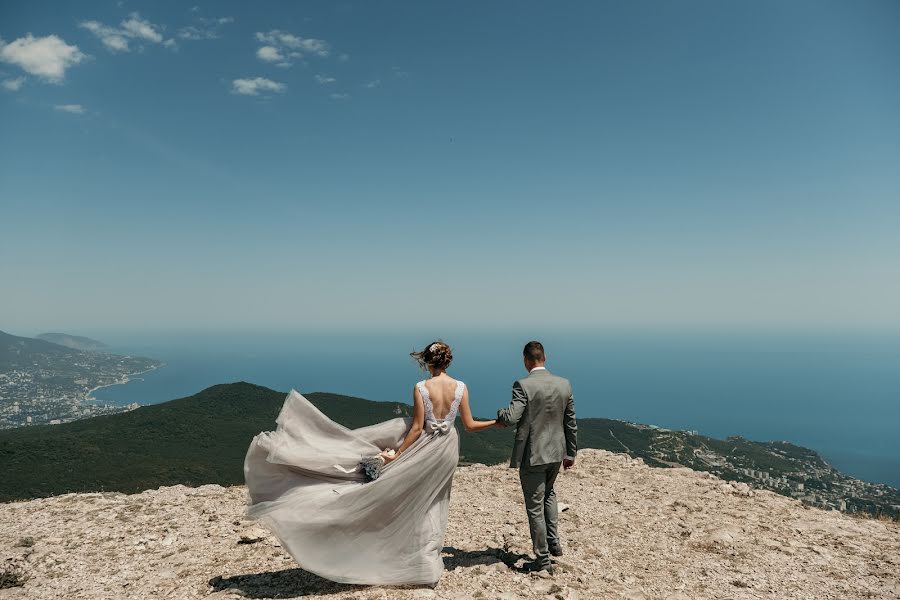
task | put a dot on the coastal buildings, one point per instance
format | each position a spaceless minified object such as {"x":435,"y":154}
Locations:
{"x":55,"y":387}
{"x":780,"y":467}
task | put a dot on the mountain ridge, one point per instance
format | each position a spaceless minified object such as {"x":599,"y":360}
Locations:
{"x":13,"y":346}
{"x":76,"y":342}
{"x":203,"y":439}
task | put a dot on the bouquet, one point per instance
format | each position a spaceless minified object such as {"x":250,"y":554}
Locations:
{"x":371,"y":466}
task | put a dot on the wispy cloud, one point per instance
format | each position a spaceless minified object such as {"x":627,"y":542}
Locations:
{"x":339,"y":96}
{"x":295,"y":42}
{"x":141,"y":29}
{"x":112,"y":38}
{"x":289,"y":46}
{"x":204,"y":28}
{"x":134,"y":28}
{"x":325,"y":79}
{"x":191,"y":32}
{"x":256,"y":86}
{"x":13,"y":85}
{"x":45,"y":57}
{"x":75,"y":109}
{"x":372,"y":84}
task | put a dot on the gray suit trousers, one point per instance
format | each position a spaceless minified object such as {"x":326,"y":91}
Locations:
{"x":540,"y":503}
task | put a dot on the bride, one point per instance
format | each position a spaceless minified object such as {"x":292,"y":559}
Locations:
{"x":305,"y":483}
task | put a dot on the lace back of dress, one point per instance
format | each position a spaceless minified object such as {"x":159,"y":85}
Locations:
{"x":429,"y":407}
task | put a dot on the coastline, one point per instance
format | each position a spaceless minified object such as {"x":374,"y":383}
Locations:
{"x":646,"y":382}
{"x":89,"y":397}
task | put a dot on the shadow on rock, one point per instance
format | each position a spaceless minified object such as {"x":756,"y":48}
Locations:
{"x":455,"y":558}
{"x":289,"y":583}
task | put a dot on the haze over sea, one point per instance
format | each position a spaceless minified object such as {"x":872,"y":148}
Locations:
{"x":835,"y":393}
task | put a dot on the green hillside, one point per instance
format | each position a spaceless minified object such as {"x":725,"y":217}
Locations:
{"x":195,"y":440}
{"x":16,"y":352}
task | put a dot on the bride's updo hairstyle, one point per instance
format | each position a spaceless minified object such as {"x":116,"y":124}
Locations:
{"x":436,"y":355}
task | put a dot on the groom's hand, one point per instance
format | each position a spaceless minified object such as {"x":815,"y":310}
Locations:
{"x":568,"y":463}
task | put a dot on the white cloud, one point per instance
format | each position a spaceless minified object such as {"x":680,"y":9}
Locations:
{"x":325,"y":80}
{"x":135,"y":27}
{"x":293,"y":46}
{"x":142,"y":29}
{"x":253,"y":87}
{"x":337,"y":96}
{"x":13,"y":85}
{"x":75,"y":109}
{"x":269,"y":54}
{"x":46,"y":57}
{"x":372,"y":84}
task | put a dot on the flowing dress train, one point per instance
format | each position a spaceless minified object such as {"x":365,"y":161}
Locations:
{"x":304,"y":484}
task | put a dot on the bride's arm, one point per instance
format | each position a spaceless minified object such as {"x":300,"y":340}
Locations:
{"x":418,"y":421}
{"x":466,"y":413}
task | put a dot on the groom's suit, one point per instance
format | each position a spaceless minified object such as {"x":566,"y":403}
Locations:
{"x":543,"y":411}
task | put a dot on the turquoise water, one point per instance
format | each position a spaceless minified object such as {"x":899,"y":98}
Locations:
{"x":837,"y":394}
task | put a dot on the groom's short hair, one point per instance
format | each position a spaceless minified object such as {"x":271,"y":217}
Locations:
{"x":534,"y":351}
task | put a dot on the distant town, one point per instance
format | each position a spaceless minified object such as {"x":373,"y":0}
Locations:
{"x":47,"y":383}
{"x":781,"y":467}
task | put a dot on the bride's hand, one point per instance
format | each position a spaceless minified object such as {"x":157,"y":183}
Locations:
{"x":389,"y":455}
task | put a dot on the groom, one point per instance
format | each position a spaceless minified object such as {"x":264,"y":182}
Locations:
{"x":543,"y":411}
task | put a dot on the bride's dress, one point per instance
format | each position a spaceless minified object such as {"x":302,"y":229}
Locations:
{"x":303,"y":483}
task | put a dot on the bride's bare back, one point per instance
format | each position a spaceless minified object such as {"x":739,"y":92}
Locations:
{"x":442,"y":393}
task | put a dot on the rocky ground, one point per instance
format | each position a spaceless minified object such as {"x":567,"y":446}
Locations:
{"x":630,"y":532}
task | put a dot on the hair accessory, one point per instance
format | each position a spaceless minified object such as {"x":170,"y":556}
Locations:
{"x":434,"y":347}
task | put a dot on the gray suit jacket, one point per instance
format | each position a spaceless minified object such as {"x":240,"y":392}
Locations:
{"x":543,"y":411}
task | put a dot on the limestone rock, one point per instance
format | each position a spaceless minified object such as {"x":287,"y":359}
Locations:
{"x":631,"y":532}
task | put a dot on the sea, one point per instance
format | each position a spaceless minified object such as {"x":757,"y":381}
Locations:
{"x":836,"y":393}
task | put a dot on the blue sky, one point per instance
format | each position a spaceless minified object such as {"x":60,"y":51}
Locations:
{"x":353,"y":164}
